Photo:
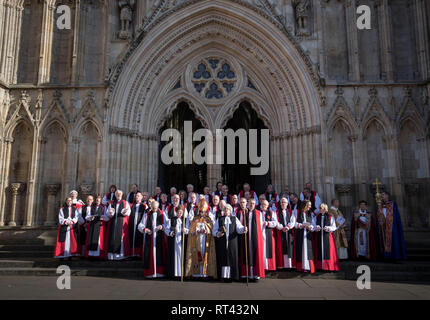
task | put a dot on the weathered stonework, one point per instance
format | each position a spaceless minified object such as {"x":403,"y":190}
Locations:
{"x":343,"y":106}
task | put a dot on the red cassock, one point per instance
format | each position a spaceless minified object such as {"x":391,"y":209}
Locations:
{"x":285,"y":240}
{"x":269,"y":240}
{"x":95,"y":237}
{"x":67,"y":236}
{"x":154,"y":262}
{"x":325,"y":251}
{"x":242,"y":194}
{"x":255,"y":253}
{"x":112,"y":226}
{"x":303,"y":245}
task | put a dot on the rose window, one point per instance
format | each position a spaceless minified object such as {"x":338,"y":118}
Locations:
{"x":213,"y":78}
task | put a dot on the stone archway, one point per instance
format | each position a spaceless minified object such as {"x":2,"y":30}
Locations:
{"x":269,"y":69}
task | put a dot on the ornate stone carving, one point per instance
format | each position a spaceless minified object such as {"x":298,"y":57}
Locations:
{"x":302,"y":13}
{"x":343,"y":188}
{"x":52,"y":189}
{"x":15,"y":189}
{"x":86,"y":188}
{"x":126,"y":17}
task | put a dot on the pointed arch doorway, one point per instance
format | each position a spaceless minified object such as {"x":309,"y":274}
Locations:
{"x":179,"y":175}
{"x":235,"y":175}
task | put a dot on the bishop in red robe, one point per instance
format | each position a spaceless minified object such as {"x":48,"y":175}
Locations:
{"x":285,"y":236}
{"x":325,"y":246}
{"x":67,"y":236}
{"x":253,"y":220}
{"x":154,"y":242}
{"x":118,"y":245}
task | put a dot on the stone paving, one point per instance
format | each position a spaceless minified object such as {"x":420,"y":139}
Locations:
{"x":30,"y":287}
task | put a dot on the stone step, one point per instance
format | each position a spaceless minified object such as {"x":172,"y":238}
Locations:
{"x":134,"y":273}
{"x":99,"y":272}
{"x":26,"y":247}
{"x":26,"y":254}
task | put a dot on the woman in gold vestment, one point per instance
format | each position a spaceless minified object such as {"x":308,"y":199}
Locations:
{"x":200,"y":245}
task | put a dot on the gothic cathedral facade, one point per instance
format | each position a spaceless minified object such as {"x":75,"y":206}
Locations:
{"x":82,"y":107}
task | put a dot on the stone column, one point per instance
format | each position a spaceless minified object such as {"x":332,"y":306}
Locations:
{"x":46,"y":41}
{"x":352,"y":39}
{"x":423,"y":45}
{"x":385,"y":40}
{"x":76,"y":38}
{"x":52,"y":191}
{"x":7,"y":147}
{"x":140,"y":14}
{"x":15,"y":190}
{"x":10,"y":39}
{"x":2,"y":37}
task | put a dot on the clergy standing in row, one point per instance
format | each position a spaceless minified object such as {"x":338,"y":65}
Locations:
{"x":118,"y":242}
{"x":95,"y":229}
{"x":285,"y":236}
{"x":154,"y":242}
{"x":67,"y":236}
{"x":227,"y":229}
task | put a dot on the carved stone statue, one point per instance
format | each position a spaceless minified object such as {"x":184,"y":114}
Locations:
{"x":126,"y":17}
{"x":301,"y":8}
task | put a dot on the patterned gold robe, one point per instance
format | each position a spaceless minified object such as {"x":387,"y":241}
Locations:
{"x":200,"y":263}
{"x":340,"y":235}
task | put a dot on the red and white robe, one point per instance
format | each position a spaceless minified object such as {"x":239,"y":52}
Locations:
{"x":303,"y":243}
{"x":216,"y":193}
{"x":154,"y":244}
{"x":173,"y":231}
{"x":131,"y":198}
{"x":208,"y":198}
{"x":324,"y":246}
{"x":253,"y":195}
{"x":108,"y":197}
{"x":227,"y":198}
{"x":285,"y":240}
{"x":136,"y":239}
{"x":67,"y":236}
{"x":269,"y":226}
{"x":96,"y":227}
{"x":315,"y":199}
{"x":164,"y":206}
{"x":254,"y":222}
{"x":273,"y":199}
{"x":117,"y":243}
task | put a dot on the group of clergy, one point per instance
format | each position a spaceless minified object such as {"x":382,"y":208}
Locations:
{"x":219,"y":235}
